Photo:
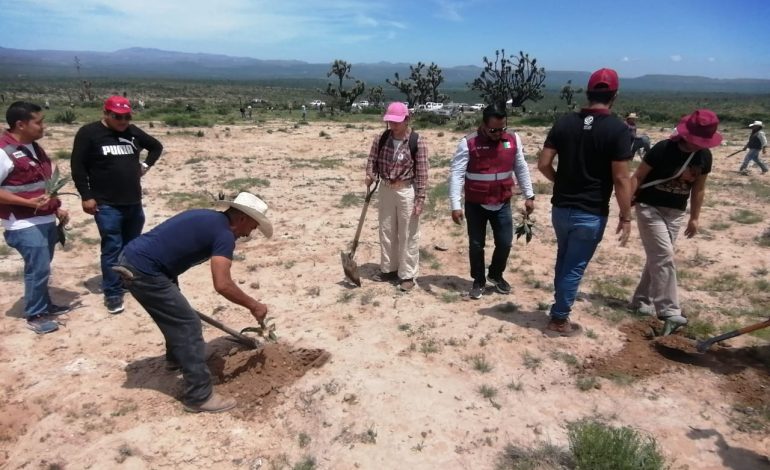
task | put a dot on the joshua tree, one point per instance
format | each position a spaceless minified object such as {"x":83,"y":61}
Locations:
{"x":375,"y":95}
{"x":518,"y":79}
{"x":422,"y":85}
{"x":340,"y":96}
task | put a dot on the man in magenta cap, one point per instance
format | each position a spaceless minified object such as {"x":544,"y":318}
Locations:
{"x":594,"y":148}
{"x":399,"y":158}
{"x":107,"y":171}
{"x":673,"y":171}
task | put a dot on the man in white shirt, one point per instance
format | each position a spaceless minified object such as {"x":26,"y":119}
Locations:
{"x":29,"y":214}
{"x":484,"y":163}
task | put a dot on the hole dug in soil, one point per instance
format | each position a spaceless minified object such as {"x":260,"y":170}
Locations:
{"x":254,"y":377}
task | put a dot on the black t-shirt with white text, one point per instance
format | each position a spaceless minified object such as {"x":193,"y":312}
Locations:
{"x":105,"y":163}
{"x":587,"y":143}
{"x":666,"y":159}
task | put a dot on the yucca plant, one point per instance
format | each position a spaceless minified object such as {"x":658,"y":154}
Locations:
{"x":55,"y":183}
{"x":267,"y":330}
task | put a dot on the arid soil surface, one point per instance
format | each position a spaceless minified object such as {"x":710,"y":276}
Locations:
{"x":372,"y":378}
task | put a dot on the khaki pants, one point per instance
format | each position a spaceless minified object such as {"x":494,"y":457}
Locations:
{"x":399,"y":232}
{"x":658,"y":229}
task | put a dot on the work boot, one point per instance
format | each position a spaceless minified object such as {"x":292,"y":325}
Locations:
{"x":215,"y":404}
{"x":406,"y":285}
{"x":672,"y":323}
{"x":562,"y":327}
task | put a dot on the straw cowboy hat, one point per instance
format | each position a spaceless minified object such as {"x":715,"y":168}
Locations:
{"x":756,"y":124}
{"x":632,"y":116}
{"x":254,"y":207}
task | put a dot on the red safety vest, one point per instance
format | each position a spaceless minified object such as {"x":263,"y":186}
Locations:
{"x":489,"y":176}
{"x":26,"y":179}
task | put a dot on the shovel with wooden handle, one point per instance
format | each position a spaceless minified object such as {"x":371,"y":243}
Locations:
{"x":703,"y":346}
{"x":348,"y":264}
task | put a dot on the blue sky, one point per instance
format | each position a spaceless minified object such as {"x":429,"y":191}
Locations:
{"x":720,"y":39}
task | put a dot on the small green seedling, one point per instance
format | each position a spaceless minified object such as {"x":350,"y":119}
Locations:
{"x":267,"y":331}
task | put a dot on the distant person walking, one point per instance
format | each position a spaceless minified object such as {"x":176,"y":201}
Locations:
{"x":639,"y":141}
{"x":107,"y":173}
{"x":757,"y":142}
{"x":674,"y":171}
{"x":304,"y":112}
{"x":484,"y":165}
{"x":243,"y":112}
{"x":28,"y":214}
{"x":594,"y":148}
{"x":399,"y":158}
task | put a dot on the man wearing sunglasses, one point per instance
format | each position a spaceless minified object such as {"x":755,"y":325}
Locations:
{"x":484,"y":164}
{"x":107,"y":171}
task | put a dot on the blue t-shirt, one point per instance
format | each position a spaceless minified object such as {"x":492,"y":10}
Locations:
{"x":181,"y":242}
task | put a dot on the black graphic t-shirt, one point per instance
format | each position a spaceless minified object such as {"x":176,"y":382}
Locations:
{"x":666,"y":159}
{"x":105,"y":163}
{"x":586,"y":144}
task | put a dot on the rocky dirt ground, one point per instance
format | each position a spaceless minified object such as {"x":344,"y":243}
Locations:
{"x":370,"y":377}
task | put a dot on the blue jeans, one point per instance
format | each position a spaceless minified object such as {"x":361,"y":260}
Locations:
{"x":578,"y":233}
{"x":117,"y":225}
{"x":753,"y":156}
{"x":502,"y":230}
{"x":36,"y":246}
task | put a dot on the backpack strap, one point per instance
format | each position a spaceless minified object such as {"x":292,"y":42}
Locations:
{"x":412,"y":142}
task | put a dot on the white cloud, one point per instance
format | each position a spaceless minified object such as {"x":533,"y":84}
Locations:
{"x":625,"y":59}
{"x":451,"y":9}
{"x":712,"y":59}
{"x":676,"y":58}
{"x":254,"y":22}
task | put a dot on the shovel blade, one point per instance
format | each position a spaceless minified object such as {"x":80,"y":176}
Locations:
{"x":350,"y":268}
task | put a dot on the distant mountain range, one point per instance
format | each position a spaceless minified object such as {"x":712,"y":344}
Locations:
{"x":154,"y":63}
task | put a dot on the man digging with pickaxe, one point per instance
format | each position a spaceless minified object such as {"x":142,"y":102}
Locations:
{"x":151,"y":263}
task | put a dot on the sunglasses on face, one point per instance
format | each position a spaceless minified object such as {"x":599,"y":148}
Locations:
{"x":120,"y":117}
{"x":495,"y":130}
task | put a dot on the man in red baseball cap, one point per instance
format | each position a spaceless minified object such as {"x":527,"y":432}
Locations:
{"x":107,"y":171}
{"x":594,"y":149}
{"x":671,"y":173}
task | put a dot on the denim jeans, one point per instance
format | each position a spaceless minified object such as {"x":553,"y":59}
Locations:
{"x":36,"y":246}
{"x":117,"y":225}
{"x":181,"y":327}
{"x":753,"y":156}
{"x":578,"y":233}
{"x":502,"y":231}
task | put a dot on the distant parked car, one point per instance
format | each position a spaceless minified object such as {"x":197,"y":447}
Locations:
{"x":317,"y":103}
{"x":478,"y":107}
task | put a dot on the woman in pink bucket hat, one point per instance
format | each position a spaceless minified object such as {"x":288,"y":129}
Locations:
{"x":671,"y":174}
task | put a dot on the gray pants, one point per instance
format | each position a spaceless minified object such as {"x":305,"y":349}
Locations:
{"x":658,"y":229}
{"x":753,"y":156}
{"x":181,"y":327}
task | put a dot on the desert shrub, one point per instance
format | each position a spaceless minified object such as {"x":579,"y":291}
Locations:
{"x":67,"y":116}
{"x":598,"y":446}
{"x":243,"y":184}
{"x":430,"y":119}
{"x":63,"y":154}
{"x":745,"y":216}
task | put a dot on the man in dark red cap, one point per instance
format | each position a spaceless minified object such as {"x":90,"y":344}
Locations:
{"x":106,"y":170}
{"x":673,"y":171}
{"x":594,"y":148}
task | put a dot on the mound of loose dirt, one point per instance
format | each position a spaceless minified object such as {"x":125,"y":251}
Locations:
{"x":254,"y":377}
{"x":744,"y":372}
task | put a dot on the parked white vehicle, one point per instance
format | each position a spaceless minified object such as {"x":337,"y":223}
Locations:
{"x":317,"y":103}
{"x":478,"y":106}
